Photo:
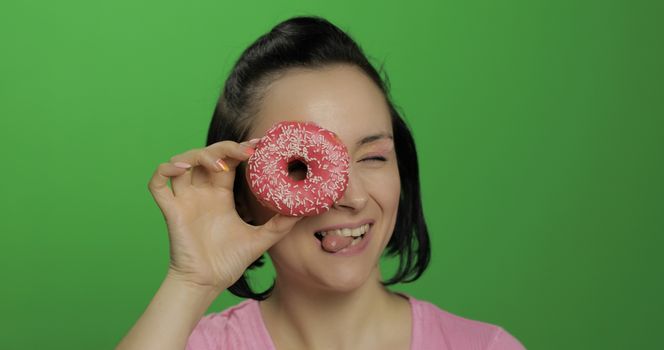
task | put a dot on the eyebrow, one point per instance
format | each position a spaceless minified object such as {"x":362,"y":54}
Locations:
{"x":372,"y":138}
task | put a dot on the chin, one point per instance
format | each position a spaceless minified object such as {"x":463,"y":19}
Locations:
{"x":344,"y":280}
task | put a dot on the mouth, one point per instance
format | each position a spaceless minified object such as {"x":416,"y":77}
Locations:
{"x":340,"y":238}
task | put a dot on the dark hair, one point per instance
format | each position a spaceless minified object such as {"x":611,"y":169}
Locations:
{"x":313,"y":42}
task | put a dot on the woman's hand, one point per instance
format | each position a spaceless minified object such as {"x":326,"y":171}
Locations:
{"x":210,"y":245}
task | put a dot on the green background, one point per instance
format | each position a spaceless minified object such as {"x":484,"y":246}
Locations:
{"x":539,"y":128}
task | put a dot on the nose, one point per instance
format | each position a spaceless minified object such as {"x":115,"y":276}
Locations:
{"x":355,"y":197}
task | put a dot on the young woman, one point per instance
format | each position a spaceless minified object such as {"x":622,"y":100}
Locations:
{"x":304,"y":69}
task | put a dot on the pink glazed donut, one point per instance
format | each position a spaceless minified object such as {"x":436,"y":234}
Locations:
{"x":287,"y":143}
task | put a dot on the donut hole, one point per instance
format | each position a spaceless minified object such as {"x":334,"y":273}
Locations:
{"x":297,"y":170}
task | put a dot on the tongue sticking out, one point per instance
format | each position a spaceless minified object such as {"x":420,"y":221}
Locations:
{"x":333,"y":243}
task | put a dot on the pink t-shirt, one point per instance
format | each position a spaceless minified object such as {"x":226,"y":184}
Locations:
{"x":241,"y":327}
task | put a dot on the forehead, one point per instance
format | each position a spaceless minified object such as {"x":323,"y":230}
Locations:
{"x":340,"y":98}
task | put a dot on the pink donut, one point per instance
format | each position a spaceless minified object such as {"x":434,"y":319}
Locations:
{"x":324,"y":155}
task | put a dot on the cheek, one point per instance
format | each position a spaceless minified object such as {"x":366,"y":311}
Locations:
{"x":289,"y":252}
{"x":385,"y":187}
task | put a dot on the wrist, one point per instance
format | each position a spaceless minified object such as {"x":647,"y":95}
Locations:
{"x":175,"y":279}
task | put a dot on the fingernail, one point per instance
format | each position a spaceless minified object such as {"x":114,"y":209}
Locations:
{"x":249,"y":144}
{"x":247,"y":149}
{"x":222,"y":164}
{"x":182,"y":165}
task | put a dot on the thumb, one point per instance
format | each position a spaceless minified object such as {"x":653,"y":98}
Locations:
{"x":279,"y":225}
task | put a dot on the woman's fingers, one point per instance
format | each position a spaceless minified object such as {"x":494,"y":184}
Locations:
{"x":158,"y":184}
{"x":181,"y":182}
{"x":278,"y":226}
{"x":221,"y":172}
{"x":216,"y":163}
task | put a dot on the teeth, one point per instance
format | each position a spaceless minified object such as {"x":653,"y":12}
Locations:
{"x":347,"y":232}
{"x":357,"y":232}
{"x":332,"y":232}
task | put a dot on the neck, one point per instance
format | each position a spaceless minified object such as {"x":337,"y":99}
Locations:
{"x":304,"y":316}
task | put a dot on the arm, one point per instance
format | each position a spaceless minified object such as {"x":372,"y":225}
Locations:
{"x":170,"y":317}
{"x":210,"y":245}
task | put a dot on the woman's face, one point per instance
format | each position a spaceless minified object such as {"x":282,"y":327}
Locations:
{"x":342,"y":99}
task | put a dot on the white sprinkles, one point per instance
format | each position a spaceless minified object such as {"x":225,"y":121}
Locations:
{"x":327,"y":163}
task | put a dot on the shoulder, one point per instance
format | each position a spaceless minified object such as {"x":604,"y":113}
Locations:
{"x":232,"y":328}
{"x":438,"y":328}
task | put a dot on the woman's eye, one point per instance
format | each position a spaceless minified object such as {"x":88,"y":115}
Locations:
{"x":378,"y":158}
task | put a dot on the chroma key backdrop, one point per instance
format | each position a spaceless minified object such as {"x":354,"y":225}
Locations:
{"x":539,"y":127}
